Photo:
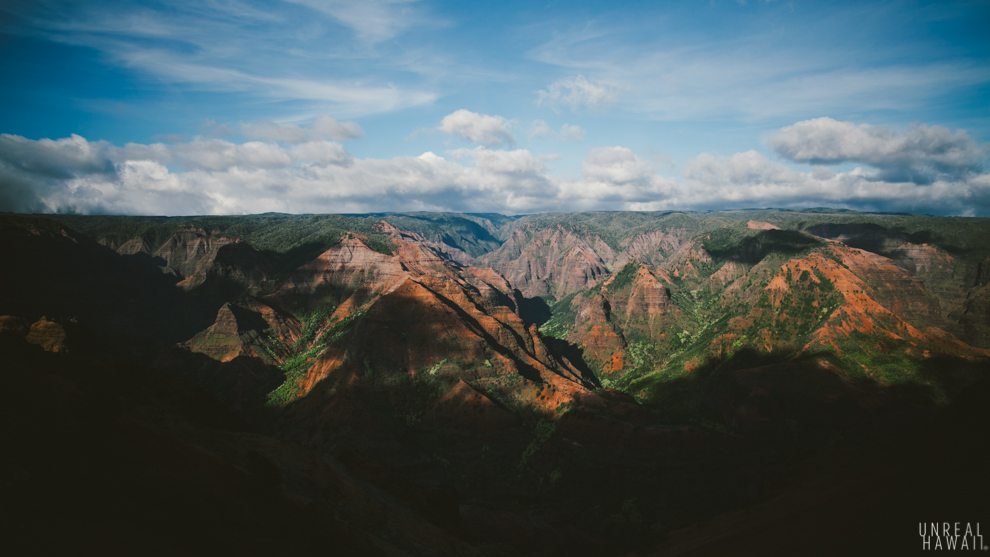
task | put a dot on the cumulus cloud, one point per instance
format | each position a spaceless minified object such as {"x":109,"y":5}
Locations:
{"x":479,"y":128}
{"x":579,"y":91}
{"x":921,"y":154}
{"x":616,"y":173}
{"x":751,"y":180}
{"x":60,"y":158}
{"x":321,"y":153}
{"x":322,"y":128}
{"x":215,"y":176}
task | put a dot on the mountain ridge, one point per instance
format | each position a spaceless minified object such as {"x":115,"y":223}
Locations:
{"x":499,"y":365}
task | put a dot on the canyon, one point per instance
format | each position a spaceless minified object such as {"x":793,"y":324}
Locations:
{"x":475,"y":384}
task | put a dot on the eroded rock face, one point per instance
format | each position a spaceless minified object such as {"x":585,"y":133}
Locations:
{"x":653,"y":247}
{"x":941,"y":274}
{"x":236,"y":268}
{"x":347,"y":267}
{"x":418,"y":307}
{"x":247,"y":327}
{"x":189,"y":252}
{"x":640,"y":309}
{"x":552,"y":262}
{"x":203,"y":260}
{"x":896,"y":289}
{"x":135,"y":246}
{"x":643,"y":303}
{"x":354,"y":319}
{"x":838,"y":294}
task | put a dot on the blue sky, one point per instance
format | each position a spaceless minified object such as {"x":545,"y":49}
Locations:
{"x":228,"y":106}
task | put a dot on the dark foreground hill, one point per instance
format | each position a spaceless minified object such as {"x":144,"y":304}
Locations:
{"x":589,"y":384}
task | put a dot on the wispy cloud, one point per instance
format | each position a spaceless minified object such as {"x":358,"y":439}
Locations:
{"x":567,"y":132}
{"x":764,"y":67}
{"x":263,"y":52}
{"x":579,"y":91}
{"x":372,"y":20}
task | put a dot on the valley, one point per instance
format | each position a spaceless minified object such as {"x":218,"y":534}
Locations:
{"x":606,"y":383}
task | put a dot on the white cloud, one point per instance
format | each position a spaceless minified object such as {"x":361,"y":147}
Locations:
{"x":214,"y":176}
{"x":218,"y":177}
{"x":920,"y":154}
{"x":617,"y":174}
{"x":322,"y":153}
{"x":323,"y":127}
{"x":577,"y":91}
{"x":207,"y":154}
{"x":479,"y":128}
{"x":751,"y":180}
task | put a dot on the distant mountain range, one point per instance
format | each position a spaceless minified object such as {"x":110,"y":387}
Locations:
{"x":441,"y":383}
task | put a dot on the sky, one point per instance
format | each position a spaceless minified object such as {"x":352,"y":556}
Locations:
{"x":325,"y":106}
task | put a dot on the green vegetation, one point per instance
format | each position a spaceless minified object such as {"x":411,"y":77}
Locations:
{"x":624,"y":277}
{"x":312,"y":323}
{"x":296,"y":366}
{"x":752,"y":246}
{"x":542,"y":433}
{"x":436,"y":368}
{"x":562,"y":316}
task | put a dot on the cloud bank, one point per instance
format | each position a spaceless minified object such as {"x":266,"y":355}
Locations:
{"x":923,"y":169}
